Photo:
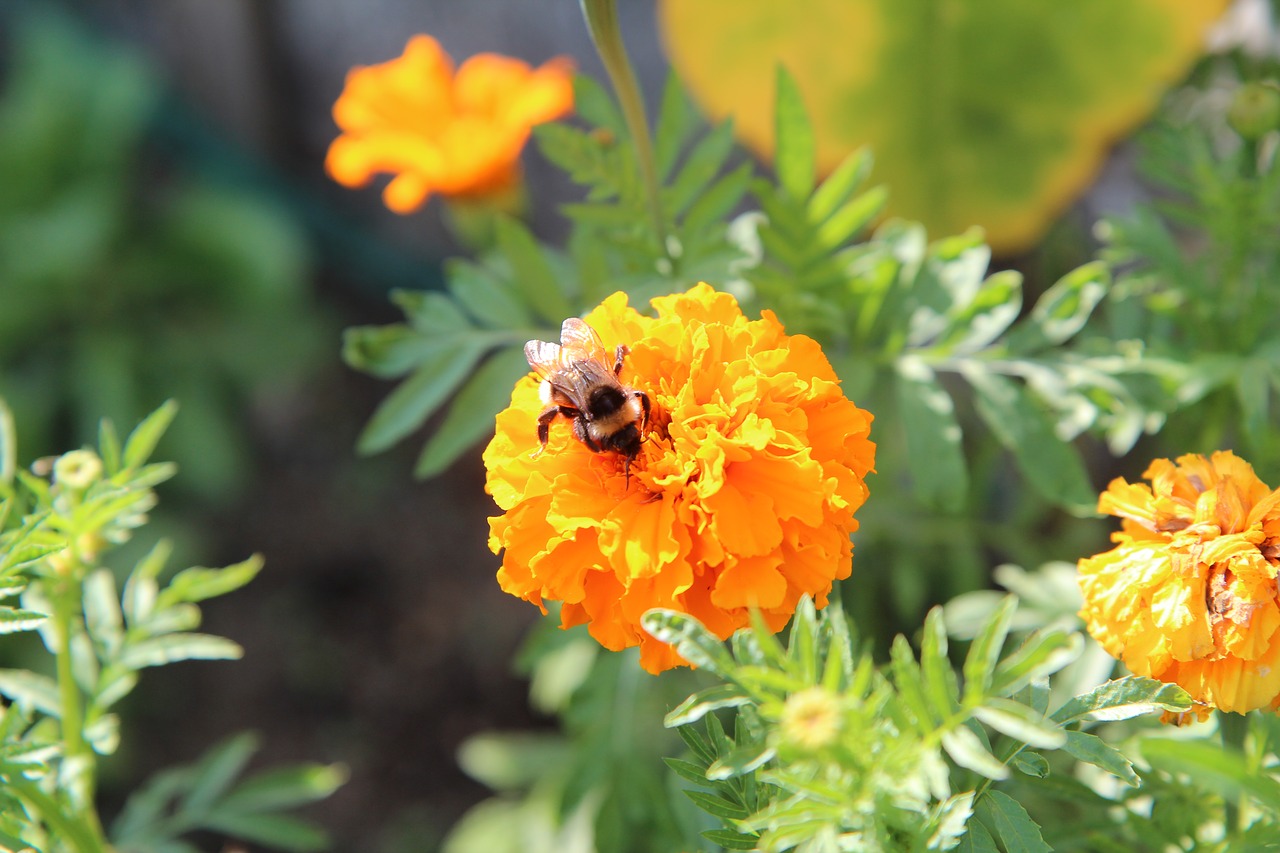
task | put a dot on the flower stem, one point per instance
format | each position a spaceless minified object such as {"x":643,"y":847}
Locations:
{"x":1234,"y":728}
{"x":74,"y":747}
{"x":602,"y":22}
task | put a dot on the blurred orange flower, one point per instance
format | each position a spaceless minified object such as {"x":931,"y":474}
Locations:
{"x":742,"y":495}
{"x":1189,"y":595}
{"x":436,"y":131}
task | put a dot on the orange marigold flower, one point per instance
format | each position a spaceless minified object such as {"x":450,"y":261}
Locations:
{"x":1189,"y":595}
{"x":436,"y":131}
{"x":741,"y":496}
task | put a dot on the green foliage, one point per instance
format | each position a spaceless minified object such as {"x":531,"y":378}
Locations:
{"x":898,"y":311}
{"x":93,"y":252}
{"x":827,"y":748}
{"x":209,"y":795}
{"x":596,"y":785}
{"x":57,"y":521}
{"x":1198,"y":272}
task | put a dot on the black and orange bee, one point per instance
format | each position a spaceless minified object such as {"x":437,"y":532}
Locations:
{"x":579,"y":383}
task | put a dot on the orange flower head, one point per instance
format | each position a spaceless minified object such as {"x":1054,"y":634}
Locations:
{"x":742,"y":493}
{"x":436,"y":131}
{"x":1188,"y":595}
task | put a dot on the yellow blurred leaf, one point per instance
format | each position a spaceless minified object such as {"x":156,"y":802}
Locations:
{"x":988,"y":112}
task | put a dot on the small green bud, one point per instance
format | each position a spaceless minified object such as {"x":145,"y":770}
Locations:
{"x":811,"y":719}
{"x":77,"y":470}
{"x":1255,"y":110}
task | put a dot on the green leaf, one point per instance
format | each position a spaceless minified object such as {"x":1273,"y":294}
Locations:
{"x":172,"y":648}
{"x":986,"y":316}
{"x":390,"y":351}
{"x":984,"y":653}
{"x":935,"y":668}
{"x":13,"y":620}
{"x":103,"y":734}
{"x":716,"y":805}
{"x":1009,"y":822}
{"x":594,"y":103}
{"x":1033,"y":763}
{"x":795,"y":162}
{"x":1051,"y":465}
{"x":687,"y":770}
{"x":1039,"y":656}
{"x":694,"y":642}
{"x":740,"y":761}
{"x":976,"y":840}
{"x":141,"y":589}
{"x":146,"y":435}
{"x":704,"y":701}
{"x":1021,"y":723}
{"x":718,"y":200}
{"x":1213,"y":767}
{"x":536,"y":280}
{"x":433,"y":314}
{"x":1062,"y":310}
{"x":950,"y":818}
{"x":935,"y":454}
{"x":967,"y":750}
{"x":840,"y":185}
{"x":471,"y":415}
{"x":8,"y":445}
{"x":1124,"y":698}
{"x":31,"y":689}
{"x":285,"y":788}
{"x":102,"y":610}
{"x":1092,"y":749}
{"x":730,"y":840}
{"x":279,"y":831}
{"x":199,"y":584}
{"x":407,"y":407}
{"x":1252,"y":390}
{"x":493,"y":300}
{"x":215,"y":772}
{"x":700,"y":168}
{"x":676,"y":119}
{"x":851,"y":218}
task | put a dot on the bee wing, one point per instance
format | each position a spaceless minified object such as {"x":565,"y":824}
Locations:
{"x":579,"y":342}
{"x":544,"y":357}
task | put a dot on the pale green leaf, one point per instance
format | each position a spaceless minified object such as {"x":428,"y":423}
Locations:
{"x":935,"y":454}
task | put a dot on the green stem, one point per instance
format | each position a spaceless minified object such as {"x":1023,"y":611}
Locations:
{"x":74,"y":746}
{"x":1234,"y":728}
{"x":83,"y":835}
{"x":602,"y":22}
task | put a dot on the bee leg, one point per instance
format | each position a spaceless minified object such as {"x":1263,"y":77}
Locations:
{"x":618,"y":355}
{"x":548,"y":415}
{"x":644,"y":407}
{"x":581,"y":433}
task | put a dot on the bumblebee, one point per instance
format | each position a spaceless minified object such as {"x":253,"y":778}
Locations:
{"x":580,"y":384}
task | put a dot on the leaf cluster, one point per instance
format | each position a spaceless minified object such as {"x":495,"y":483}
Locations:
{"x":595,"y":785}
{"x":918,"y":750}
{"x":1197,"y":267}
{"x":62,"y":516}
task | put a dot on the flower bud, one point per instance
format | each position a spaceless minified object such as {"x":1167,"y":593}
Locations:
{"x":77,"y":470}
{"x":1255,"y":110}
{"x":811,"y":719}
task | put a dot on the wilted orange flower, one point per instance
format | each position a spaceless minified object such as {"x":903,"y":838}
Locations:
{"x":742,"y":495}
{"x":460,"y":135}
{"x":1189,"y":595}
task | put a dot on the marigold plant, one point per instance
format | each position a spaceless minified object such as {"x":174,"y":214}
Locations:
{"x":1188,"y":595}
{"x":437,"y":131}
{"x":743,"y":493}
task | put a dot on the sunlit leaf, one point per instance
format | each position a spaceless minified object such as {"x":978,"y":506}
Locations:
{"x":993,"y":113}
